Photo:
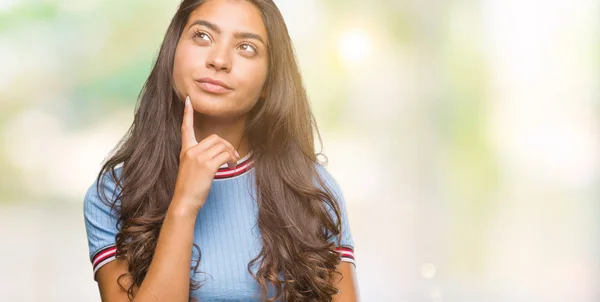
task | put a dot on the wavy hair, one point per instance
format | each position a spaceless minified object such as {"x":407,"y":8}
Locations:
{"x":299,"y":260}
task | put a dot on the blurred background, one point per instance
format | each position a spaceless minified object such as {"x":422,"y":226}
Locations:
{"x":464,"y":134}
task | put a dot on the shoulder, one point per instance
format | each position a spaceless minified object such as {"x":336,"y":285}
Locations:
{"x":329,"y":180}
{"x":321,"y":169}
{"x":103,"y":189}
{"x":323,"y":172}
{"x":100,"y":217}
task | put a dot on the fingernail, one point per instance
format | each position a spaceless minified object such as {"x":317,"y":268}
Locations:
{"x":237,"y":154}
{"x":187,"y":99}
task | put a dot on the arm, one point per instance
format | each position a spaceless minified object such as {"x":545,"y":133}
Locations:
{"x":346,"y":283}
{"x":168,"y":274}
{"x":107,"y":277}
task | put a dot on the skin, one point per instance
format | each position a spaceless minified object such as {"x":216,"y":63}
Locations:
{"x":214,"y":50}
{"x":212,"y":126}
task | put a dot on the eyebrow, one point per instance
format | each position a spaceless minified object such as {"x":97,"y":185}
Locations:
{"x":239,"y":35}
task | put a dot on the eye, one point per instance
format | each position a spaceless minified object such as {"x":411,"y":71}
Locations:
{"x":248,"y":47}
{"x":202,"y":35}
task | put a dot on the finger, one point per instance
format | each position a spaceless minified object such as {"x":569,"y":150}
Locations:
{"x":220,"y":148}
{"x":222,"y":158}
{"x":188,"y":138}
{"x":212,"y":140}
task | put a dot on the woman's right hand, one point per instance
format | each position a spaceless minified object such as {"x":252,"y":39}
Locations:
{"x":198,"y":163}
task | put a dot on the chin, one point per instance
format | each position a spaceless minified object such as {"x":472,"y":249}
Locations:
{"x":214,"y":107}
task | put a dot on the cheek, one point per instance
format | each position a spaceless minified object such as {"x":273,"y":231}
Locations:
{"x":252,"y":77}
{"x":177,"y":71}
{"x":184,"y":63}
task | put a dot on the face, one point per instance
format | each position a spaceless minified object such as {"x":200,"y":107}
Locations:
{"x":221,"y":60}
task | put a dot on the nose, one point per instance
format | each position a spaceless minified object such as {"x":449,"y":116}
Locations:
{"x":219,"y":59}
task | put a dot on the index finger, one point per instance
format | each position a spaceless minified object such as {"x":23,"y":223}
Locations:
{"x":188,"y":138}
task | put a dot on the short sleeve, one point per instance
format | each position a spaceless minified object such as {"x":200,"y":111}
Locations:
{"x":346,"y":248}
{"x":100,"y":222}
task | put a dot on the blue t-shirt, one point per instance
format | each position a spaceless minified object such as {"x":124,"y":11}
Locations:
{"x":225,"y":231}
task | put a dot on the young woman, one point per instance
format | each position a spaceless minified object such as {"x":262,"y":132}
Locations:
{"x":215,"y":193}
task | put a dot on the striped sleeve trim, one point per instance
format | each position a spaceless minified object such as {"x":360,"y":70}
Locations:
{"x":103,"y":257}
{"x":347,"y":254}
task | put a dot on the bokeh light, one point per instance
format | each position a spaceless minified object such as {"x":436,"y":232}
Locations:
{"x":464,"y":135}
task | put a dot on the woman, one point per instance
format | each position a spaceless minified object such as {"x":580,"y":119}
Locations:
{"x":215,"y":193}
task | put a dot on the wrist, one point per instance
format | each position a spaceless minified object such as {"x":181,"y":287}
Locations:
{"x":182,"y":209}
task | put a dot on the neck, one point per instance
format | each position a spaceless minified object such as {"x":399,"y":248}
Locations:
{"x":231,"y":130}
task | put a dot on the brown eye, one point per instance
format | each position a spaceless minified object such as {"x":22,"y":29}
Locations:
{"x":202,"y":35}
{"x":248,"y":47}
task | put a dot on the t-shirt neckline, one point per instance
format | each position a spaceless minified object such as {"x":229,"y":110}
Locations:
{"x":243,"y":165}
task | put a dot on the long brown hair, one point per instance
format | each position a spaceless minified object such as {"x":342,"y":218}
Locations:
{"x":300,"y":261}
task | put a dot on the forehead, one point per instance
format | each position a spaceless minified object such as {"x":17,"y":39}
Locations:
{"x":231,"y":16}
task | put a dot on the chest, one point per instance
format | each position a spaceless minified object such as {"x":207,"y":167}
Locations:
{"x":229,"y":239}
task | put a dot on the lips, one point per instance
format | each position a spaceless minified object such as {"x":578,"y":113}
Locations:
{"x":215,"y":86}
